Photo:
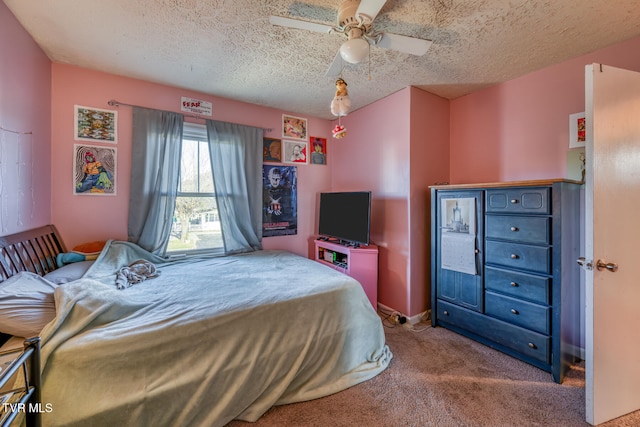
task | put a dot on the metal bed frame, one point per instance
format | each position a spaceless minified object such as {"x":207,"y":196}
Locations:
{"x":24,"y":399}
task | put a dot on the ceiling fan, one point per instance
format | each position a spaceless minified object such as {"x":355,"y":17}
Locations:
{"x":354,"y":21}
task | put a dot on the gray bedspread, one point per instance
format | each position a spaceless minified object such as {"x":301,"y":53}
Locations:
{"x":206,"y":342}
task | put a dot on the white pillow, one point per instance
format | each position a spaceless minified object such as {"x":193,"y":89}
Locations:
{"x":69,"y":272}
{"x":26,"y":304}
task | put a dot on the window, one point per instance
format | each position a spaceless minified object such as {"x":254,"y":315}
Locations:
{"x":196,"y":224}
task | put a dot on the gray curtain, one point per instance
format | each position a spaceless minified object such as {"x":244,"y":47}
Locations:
{"x":236,"y":160}
{"x":155,"y":171}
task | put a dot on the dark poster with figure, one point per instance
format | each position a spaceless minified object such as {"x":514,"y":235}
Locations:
{"x":280,"y":201}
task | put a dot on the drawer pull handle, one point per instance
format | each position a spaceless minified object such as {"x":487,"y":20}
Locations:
{"x":514,"y":311}
{"x":532,"y":345}
{"x":514,"y":256}
{"x":514,"y":228}
{"x":514,"y":201}
{"x":514,"y":284}
{"x":446,"y":313}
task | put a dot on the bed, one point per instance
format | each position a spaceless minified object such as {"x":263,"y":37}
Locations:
{"x":207,"y":341}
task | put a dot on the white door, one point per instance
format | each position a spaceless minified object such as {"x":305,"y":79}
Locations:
{"x":612,"y":235}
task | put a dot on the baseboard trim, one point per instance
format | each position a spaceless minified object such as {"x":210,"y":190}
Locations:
{"x":577,"y":352}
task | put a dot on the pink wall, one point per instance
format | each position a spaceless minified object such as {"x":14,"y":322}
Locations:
{"x":375,"y":156}
{"x":25,"y":106}
{"x":397,"y":147}
{"x":429,"y":165}
{"x":519,"y":129}
{"x":86,"y":218}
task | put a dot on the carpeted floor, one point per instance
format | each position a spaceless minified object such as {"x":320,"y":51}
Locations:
{"x":439,"y":378}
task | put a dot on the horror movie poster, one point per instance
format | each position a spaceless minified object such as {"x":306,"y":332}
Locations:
{"x":279,"y":196}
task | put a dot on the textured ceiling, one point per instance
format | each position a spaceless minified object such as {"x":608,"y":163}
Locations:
{"x":229,"y":48}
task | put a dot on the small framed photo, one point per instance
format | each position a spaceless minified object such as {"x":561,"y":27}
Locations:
{"x":294,"y":128}
{"x":271,"y":150}
{"x":94,"y":170}
{"x":577,"y":130}
{"x":95,"y":124}
{"x":318,"y":151}
{"x":296,"y":152}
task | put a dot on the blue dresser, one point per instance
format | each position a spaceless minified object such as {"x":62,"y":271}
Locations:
{"x":503,"y":267}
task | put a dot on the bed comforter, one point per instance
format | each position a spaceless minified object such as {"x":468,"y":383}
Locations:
{"x":206,"y":342}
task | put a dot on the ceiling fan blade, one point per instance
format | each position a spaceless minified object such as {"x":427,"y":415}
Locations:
{"x":335,"y":69}
{"x":302,"y":25}
{"x":404,"y":44}
{"x":369,"y":9}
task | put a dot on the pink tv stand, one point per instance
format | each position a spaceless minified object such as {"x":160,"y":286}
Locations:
{"x":361,"y":263}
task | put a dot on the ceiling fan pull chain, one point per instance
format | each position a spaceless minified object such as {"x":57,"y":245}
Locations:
{"x":369,"y":65}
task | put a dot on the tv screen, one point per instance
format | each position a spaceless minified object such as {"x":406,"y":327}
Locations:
{"x":345,"y":216}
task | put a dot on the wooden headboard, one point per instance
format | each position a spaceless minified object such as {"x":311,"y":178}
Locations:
{"x":33,"y":250}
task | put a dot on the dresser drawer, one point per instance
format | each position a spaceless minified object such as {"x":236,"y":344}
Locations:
{"x":522,"y":313}
{"x":525,"y":229}
{"x":515,"y":255}
{"x":518,"y":200}
{"x":518,"y":285}
{"x":521,"y":340}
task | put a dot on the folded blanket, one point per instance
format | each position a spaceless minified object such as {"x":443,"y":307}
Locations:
{"x":136,"y":272}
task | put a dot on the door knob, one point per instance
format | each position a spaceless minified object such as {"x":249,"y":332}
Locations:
{"x":611,"y":266}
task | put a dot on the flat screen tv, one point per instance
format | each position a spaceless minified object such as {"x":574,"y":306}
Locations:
{"x":345,"y":216}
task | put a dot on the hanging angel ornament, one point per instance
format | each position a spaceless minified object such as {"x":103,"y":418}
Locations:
{"x":340,"y":106}
{"x":341,"y":103}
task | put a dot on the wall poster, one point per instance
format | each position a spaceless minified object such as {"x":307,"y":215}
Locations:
{"x":318,"y":151}
{"x":577,"y":130}
{"x":280,"y":200}
{"x":271,"y":150}
{"x":294,"y":128}
{"x":95,"y":124}
{"x":94,"y":170}
{"x":296,"y":152}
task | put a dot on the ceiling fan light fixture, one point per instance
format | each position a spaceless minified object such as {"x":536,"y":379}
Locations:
{"x":354,"y":50}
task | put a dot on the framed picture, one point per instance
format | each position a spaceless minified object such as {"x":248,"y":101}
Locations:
{"x":280,"y":200}
{"x":577,"y":130}
{"x":294,"y":127}
{"x":271,"y":150}
{"x":94,"y":170}
{"x":94,"y":124}
{"x":296,"y":152}
{"x":318,"y":151}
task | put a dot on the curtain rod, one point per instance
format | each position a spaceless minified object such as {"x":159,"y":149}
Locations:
{"x":115,"y":103}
